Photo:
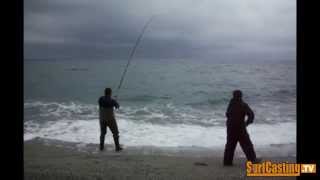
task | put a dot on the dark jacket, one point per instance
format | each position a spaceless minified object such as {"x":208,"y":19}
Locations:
{"x":106,"y":105}
{"x":236,"y":112}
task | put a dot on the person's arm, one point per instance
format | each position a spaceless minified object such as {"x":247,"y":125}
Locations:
{"x":228,"y":112}
{"x":99,"y":102}
{"x":250,"y":115}
{"x":116,"y":104}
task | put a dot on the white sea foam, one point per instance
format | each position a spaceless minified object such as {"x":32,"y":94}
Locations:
{"x":169,"y":126}
{"x":174,"y":135}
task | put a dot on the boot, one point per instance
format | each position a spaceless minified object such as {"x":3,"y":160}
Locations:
{"x":101,"y":143}
{"x":116,"y":143}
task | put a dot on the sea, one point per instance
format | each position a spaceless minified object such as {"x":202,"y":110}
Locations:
{"x":163,"y":102}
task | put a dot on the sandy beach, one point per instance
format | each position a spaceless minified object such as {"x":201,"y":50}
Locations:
{"x":49,"y":159}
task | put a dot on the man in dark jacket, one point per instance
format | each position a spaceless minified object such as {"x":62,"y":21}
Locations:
{"x":236,"y":129}
{"x":107,"y":118}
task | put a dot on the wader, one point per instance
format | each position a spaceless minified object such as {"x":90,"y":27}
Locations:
{"x":237,"y":134}
{"x":107,"y":119}
{"x":237,"y":131}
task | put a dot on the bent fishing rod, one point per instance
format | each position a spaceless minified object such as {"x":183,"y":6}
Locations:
{"x":131,"y":55}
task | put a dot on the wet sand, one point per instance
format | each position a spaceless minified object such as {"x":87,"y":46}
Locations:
{"x":48,"y":159}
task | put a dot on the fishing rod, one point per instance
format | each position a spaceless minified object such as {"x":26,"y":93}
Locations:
{"x":132,"y":54}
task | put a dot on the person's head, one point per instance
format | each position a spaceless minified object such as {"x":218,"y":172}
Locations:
{"x":237,"y":94}
{"x":107,"y":91}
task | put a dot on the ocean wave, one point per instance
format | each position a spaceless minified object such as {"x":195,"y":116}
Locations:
{"x":56,"y":111}
{"x":148,"y":134}
{"x":203,"y":114}
{"x":154,"y":124}
{"x":145,"y":98}
{"x":156,"y":113}
{"x":209,"y":103}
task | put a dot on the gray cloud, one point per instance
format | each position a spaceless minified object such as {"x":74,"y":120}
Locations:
{"x":230,"y":29}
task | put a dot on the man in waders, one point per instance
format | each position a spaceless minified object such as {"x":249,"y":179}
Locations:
{"x":107,"y":118}
{"x":236,"y":129}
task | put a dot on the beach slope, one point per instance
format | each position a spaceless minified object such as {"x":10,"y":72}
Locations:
{"x":58,"y":160}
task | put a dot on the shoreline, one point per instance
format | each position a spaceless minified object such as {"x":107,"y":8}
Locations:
{"x":279,"y":150}
{"x":52,"y":159}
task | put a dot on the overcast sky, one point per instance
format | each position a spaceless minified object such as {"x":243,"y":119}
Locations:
{"x":208,"y":29}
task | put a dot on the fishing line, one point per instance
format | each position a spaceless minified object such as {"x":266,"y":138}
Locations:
{"x":132,"y":54}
